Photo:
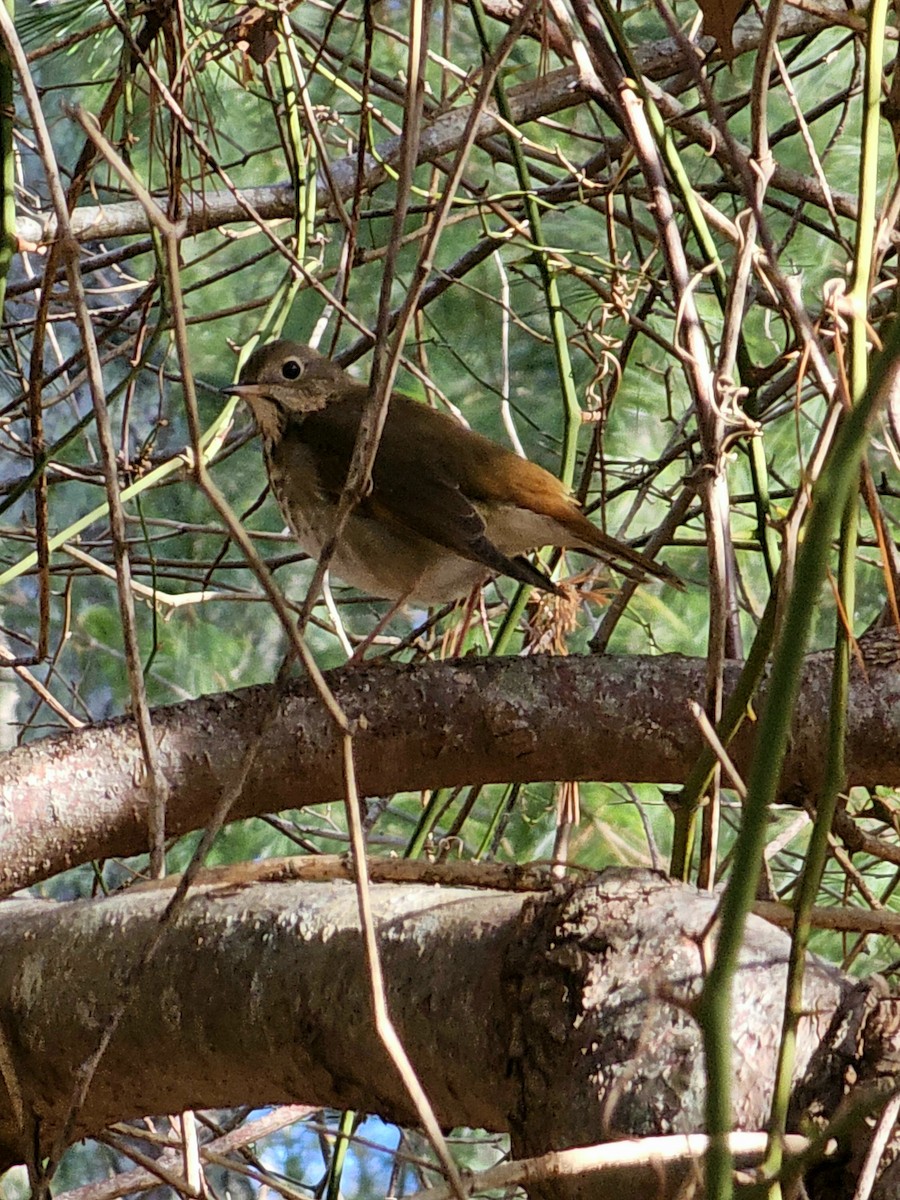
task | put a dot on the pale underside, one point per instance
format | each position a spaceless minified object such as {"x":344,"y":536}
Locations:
{"x":397,"y":563}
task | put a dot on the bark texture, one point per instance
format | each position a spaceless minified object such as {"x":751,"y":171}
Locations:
{"x":564,"y":1017}
{"x":78,"y":796}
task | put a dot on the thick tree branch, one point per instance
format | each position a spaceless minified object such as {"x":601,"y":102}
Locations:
{"x":563,"y":1017}
{"x":67,"y":799}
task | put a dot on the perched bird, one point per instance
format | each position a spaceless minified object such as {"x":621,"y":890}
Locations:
{"x":447,"y":507}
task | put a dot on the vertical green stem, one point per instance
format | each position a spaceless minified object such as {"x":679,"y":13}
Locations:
{"x":830,"y":496}
{"x":736,"y":710}
{"x":541,"y":258}
{"x":835,"y":779}
{"x":303,"y":150}
{"x":339,"y":1156}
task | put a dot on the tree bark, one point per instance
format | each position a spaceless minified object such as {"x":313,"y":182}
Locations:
{"x":67,"y":799}
{"x":563,"y":1017}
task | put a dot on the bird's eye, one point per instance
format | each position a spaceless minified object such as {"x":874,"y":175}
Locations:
{"x":292,"y":369}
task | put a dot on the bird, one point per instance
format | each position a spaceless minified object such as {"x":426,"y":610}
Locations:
{"x":447,"y":508}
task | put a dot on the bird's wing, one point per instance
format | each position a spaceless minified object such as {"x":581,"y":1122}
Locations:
{"x":413,"y":484}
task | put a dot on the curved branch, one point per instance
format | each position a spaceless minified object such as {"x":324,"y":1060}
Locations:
{"x":563,"y":1017}
{"x":80,"y":795}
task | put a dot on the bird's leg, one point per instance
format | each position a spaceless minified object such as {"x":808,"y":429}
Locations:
{"x":457,"y":637}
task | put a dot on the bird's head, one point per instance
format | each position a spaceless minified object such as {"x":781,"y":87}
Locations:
{"x":284,"y":379}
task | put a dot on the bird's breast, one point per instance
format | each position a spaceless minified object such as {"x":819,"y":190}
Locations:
{"x":373,"y":555}
{"x":297,"y":486}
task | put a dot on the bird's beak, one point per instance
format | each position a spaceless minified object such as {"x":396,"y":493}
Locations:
{"x":246,"y":391}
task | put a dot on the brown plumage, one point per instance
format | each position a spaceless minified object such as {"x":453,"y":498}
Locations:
{"x":447,"y":508}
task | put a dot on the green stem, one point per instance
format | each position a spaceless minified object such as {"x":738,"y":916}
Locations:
{"x":303,"y":164}
{"x":830,"y":497}
{"x":501,"y":812}
{"x":737,"y":708}
{"x":541,"y":258}
{"x":339,"y":1156}
{"x":836,"y":775}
